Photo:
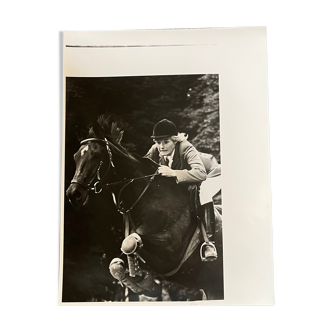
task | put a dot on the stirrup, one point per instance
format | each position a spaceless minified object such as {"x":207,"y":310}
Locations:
{"x":210,"y":258}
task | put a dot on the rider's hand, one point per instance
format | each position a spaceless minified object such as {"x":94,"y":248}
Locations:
{"x":166,"y":171}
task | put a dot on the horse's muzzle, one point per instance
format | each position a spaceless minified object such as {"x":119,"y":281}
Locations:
{"x":78,"y":196}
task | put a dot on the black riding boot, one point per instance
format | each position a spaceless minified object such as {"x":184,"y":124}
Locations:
{"x":208,"y":249}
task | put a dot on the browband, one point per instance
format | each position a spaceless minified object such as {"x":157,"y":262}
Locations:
{"x":92,"y":139}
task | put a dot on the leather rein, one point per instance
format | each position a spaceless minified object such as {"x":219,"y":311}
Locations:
{"x":118,"y":203}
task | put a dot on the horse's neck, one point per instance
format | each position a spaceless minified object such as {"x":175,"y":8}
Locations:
{"x":127,"y":168}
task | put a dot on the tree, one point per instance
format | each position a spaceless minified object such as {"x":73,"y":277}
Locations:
{"x":203,"y":112}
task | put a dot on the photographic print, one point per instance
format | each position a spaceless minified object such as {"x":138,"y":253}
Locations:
{"x":142,"y":216}
{"x":166,"y":174}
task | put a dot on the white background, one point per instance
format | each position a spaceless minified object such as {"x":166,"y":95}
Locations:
{"x":238,"y":57}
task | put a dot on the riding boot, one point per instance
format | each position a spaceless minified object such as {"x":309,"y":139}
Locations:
{"x":208,"y":249}
{"x":144,"y":284}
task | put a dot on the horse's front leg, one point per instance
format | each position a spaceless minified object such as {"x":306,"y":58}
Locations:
{"x":140,"y":284}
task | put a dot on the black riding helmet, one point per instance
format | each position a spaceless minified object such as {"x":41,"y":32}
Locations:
{"x":163,"y":129}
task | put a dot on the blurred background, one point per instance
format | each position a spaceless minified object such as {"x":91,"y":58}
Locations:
{"x":137,"y":103}
{"x":91,"y":239}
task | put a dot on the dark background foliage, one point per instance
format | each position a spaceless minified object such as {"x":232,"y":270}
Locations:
{"x":136,"y":104}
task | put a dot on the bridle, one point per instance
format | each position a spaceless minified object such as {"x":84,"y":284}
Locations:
{"x":117,"y":201}
{"x":89,"y":186}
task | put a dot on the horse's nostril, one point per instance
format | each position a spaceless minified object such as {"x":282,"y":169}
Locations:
{"x":76,"y":194}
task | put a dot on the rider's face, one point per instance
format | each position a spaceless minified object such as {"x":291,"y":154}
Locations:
{"x":165,"y":146}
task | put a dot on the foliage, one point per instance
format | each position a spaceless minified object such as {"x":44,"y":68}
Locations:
{"x":203,"y":112}
{"x":137,"y":103}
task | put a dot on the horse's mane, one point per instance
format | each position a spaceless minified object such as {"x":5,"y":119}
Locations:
{"x":104,"y":127}
{"x":111,"y":131}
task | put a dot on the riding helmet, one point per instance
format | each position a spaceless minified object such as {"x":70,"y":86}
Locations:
{"x":163,"y":129}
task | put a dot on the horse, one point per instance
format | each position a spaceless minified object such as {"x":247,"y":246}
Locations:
{"x":162,"y":232}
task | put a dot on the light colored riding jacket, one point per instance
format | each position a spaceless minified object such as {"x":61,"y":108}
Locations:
{"x":190,"y":165}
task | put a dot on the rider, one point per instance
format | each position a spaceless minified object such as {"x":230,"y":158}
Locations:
{"x":180,"y":160}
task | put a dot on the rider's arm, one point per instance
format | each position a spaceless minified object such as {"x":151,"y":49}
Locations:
{"x":197,"y":172}
{"x":153,"y":154}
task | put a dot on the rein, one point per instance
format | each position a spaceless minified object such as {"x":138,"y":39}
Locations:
{"x":120,"y":208}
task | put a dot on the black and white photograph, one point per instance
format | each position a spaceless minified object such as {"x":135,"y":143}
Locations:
{"x":142,"y":210}
{"x":156,"y":171}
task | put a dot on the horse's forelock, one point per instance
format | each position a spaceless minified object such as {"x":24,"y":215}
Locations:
{"x":91,"y":133}
{"x":106,"y":128}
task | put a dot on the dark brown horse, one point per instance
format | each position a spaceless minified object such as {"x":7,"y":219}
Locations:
{"x":156,"y":208}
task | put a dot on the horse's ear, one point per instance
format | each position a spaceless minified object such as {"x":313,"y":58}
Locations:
{"x":79,"y":133}
{"x":98,"y":130}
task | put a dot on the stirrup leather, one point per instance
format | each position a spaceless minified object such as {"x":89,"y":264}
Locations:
{"x":208,"y":259}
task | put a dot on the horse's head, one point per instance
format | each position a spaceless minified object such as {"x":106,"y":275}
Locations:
{"x":91,"y":165}
{"x":94,"y":160}
{"x":103,"y":154}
